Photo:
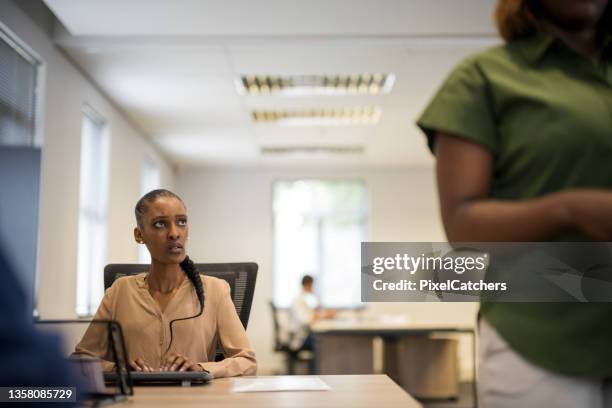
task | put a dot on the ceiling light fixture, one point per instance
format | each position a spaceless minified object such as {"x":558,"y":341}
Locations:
{"x":311,"y":150}
{"x":301,"y":85}
{"x":357,"y":115}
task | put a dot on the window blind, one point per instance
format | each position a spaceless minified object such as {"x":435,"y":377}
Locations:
{"x":17,"y":94}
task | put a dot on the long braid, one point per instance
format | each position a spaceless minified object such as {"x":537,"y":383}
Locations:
{"x":194,"y":276}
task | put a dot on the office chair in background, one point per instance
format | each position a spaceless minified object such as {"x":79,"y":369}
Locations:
{"x":281,"y":345}
{"x":241,"y":277}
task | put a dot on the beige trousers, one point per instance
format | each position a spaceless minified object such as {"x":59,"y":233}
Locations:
{"x":505,"y":379}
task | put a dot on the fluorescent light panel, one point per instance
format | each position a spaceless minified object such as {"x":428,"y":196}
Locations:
{"x":299,"y":85}
{"x":311,"y":150}
{"x":357,"y":115}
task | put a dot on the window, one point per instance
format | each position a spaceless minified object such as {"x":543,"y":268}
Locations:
{"x":149,"y":181}
{"x":21,"y":73}
{"x":318,"y":230}
{"x":92,"y":212}
{"x":18,"y":88}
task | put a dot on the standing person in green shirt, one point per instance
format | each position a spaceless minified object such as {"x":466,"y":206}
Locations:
{"x":522,"y":134}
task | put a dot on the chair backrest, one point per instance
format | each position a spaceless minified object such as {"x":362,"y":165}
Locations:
{"x":277,"y":341}
{"x":282,"y":332}
{"x":241,"y":277}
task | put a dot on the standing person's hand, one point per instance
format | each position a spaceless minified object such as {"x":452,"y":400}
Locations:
{"x":179,"y":362}
{"x":590,"y":212}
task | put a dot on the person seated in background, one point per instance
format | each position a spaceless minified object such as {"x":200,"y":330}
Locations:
{"x":168,"y":322}
{"x":304,"y":312}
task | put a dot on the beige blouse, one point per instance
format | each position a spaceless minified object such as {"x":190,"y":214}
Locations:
{"x":147,"y":333}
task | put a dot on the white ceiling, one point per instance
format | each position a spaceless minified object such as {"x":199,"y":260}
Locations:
{"x":171,"y":66}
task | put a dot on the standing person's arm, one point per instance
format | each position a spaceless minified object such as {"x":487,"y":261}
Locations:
{"x":464,"y":170}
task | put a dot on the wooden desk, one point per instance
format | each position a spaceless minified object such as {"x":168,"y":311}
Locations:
{"x":424,"y":366}
{"x":383,"y":327}
{"x":347,"y":391}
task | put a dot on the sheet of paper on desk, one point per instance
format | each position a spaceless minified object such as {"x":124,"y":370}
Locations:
{"x":280,"y":383}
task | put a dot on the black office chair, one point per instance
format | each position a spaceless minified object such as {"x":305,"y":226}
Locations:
{"x":293,"y":357}
{"x":241,"y":277}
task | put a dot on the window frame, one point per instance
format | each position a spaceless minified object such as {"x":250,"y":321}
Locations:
{"x":40,"y":65}
{"x":103,"y":128}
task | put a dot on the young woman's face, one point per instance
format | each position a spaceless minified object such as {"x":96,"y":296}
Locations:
{"x":573,"y":14}
{"x":164,"y":230}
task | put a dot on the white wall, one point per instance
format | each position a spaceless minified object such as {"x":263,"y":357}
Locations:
{"x":230,"y":217}
{"x":66,"y":90}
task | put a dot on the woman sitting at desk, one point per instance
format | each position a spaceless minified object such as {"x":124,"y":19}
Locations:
{"x":168,"y":322}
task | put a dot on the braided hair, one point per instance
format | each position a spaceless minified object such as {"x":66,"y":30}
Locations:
{"x":194,"y":276}
{"x":186,"y":265}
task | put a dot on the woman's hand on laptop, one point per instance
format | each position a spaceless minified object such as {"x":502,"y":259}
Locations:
{"x":140,"y":364}
{"x":179,"y":362}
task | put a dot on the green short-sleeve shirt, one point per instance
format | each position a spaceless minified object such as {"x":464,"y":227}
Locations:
{"x":545,"y":113}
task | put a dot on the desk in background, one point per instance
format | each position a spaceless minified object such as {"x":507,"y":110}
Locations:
{"x":354,"y":391}
{"x":424,"y":365}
